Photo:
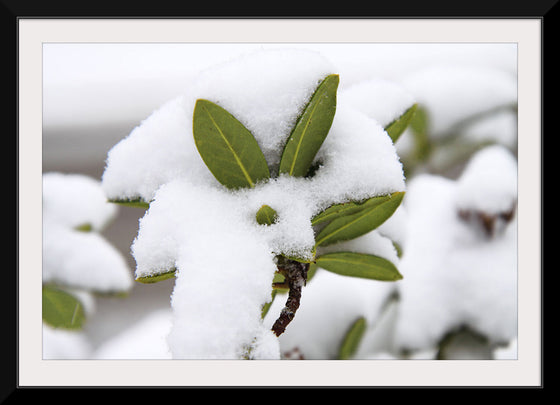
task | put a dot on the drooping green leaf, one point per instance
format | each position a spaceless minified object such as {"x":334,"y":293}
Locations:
{"x":311,"y":271}
{"x":359,"y":265}
{"x":266,"y":215}
{"x":61,"y":309}
{"x":398,"y":249}
{"x":164,"y":275}
{"x":420,"y":129}
{"x":137,"y":203}
{"x":371,"y":214}
{"x":227,"y":148}
{"x":311,"y":129}
{"x":397,"y":127}
{"x":352,"y":339}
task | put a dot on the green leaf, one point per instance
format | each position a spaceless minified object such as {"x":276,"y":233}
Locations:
{"x":312,"y":270}
{"x":340,"y":210}
{"x":359,"y":265}
{"x":61,"y":309}
{"x":420,"y":129}
{"x":266,"y":215}
{"x":397,"y":127}
{"x":165,"y":275}
{"x":352,"y":339}
{"x":137,"y":203}
{"x":369,"y":216}
{"x":310,"y":130}
{"x":229,"y":150}
{"x":86,"y":227}
{"x":398,"y":248}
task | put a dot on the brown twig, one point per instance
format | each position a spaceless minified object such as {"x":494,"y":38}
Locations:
{"x":295,"y":274}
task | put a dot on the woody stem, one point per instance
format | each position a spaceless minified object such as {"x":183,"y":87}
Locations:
{"x":295,"y":274}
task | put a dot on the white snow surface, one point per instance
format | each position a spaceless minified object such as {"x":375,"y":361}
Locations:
{"x":489,"y":182}
{"x":380,"y":99}
{"x":224,"y":259}
{"x":454,"y":275}
{"x":73,"y":200}
{"x":73,"y":258}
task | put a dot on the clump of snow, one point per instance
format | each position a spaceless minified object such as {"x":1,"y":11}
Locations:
{"x":223,"y":258}
{"x":489,"y":182}
{"x":74,"y":200}
{"x":508,"y":352}
{"x":74,"y":258}
{"x":453,"y":276}
{"x":224,"y":269}
{"x":380,"y":99}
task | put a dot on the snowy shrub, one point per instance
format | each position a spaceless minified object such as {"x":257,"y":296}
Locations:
{"x":254,"y":177}
{"x":460,"y":259}
{"x":458,"y":298}
{"x":77,"y":260}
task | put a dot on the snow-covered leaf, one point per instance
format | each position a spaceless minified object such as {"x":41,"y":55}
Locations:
{"x":229,"y":150}
{"x":61,"y":309}
{"x":311,"y":129}
{"x":359,"y":265}
{"x":154,"y":278}
{"x":397,"y":127}
{"x":366,"y":218}
{"x":352,"y":339}
{"x":138,"y":203}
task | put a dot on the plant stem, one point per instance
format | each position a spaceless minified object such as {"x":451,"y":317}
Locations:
{"x":295,"y":274}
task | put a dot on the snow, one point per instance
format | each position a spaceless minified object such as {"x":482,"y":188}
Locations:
{"x":223,"y":258}
{"x":73,"y":200}
{"x":454,"y":275}
{"x":224,"y":269}
{"x":59,"y":344}
{"x":380,"y":99}
{"x":508,"y":352}
{"x":144,"y":340}
{"x":489,"y":182}
{"x":74,"y":258}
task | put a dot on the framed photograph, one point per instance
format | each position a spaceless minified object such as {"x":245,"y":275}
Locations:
{"x":185,"y":221}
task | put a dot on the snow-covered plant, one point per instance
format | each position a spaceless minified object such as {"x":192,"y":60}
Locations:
{"x":460,"y":259}
{"x":458,"y":297}
{"x":78,"y":262}
{"x":245,"y":191}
